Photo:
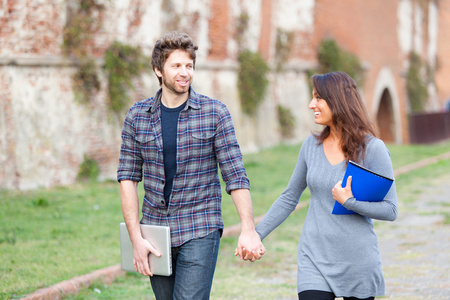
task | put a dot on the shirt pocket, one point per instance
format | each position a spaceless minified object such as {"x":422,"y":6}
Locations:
{"x":148,"y":146}
{"x":202,"y":144}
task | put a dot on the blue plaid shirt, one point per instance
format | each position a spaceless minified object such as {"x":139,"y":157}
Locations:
{"x":205,"y":140}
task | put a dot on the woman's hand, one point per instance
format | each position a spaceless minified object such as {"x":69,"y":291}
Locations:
{"x":250,"y":247}
{"x":341,"y":194}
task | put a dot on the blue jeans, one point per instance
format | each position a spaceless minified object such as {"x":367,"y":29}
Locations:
{"x":193,"y":265}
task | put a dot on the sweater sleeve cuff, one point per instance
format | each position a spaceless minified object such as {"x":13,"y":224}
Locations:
{"x":349,"y":203}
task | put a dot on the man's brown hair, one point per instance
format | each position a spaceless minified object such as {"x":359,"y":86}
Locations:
{"x":167,"y":44}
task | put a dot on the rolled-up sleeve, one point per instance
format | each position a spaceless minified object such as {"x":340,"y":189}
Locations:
{"x":130,"y":160}
{"x":229,"y":155}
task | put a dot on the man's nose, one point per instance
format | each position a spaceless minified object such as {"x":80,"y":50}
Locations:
{"x":183,"y":71}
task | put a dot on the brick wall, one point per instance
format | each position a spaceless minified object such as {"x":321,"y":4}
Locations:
{"x":443,"y":61}
{"x":45,"y":133}
{"x":219,"y":33}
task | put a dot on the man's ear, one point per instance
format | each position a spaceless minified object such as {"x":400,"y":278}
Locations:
{"x":158,"y":72}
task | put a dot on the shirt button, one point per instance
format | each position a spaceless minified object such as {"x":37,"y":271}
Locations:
{"x":168,"y":215}
{"x":162,"y":201}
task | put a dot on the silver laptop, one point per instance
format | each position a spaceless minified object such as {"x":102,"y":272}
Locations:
{"x":159,"y":237}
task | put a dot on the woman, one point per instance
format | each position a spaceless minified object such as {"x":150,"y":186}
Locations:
{"x":338,"y":254}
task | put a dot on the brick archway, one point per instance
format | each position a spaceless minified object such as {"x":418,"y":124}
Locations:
{"x":386,"y":107}
{"x":385,"y":118}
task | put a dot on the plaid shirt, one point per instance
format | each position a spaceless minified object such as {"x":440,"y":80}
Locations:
{"x":205,"y":139}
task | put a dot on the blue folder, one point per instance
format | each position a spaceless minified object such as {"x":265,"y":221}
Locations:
{"x":366,"y":186}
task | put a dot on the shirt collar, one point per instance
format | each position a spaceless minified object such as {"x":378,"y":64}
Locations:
{"x":193,"y":100}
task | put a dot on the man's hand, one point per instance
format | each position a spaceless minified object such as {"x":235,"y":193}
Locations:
{"x":249,"y":246}
{"x":130,"y":209}
{"x":341,"y":194}
{"x":141,"y":251}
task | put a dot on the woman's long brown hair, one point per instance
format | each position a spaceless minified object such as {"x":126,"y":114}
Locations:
{"x":350,"y":117}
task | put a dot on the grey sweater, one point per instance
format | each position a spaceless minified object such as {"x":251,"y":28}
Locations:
{"x":336,"y":253}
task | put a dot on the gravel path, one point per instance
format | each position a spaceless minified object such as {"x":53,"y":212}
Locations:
{"x":415,"y":249}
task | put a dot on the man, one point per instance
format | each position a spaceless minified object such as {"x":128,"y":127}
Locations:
{"x":176,"y":140}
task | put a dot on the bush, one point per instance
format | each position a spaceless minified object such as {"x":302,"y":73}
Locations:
{"x":89,"y":170}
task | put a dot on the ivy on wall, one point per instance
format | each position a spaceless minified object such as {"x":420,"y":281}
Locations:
{"x":82,"y":22}
{"x":287,"y":121}
{"x":252,"y":80}
{"x":283,"y":46}
{"x":252,"y":73}
{"x":415,"y":86}
{"x":333,"y":58}
{"x":241,"y":28}
{"x":85,"y":80}
{"x":122,"y":64}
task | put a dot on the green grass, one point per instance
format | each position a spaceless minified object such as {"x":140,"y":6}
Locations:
{"x":404,"y":155}
{"x":51,"y":235}
{"x":269,"y":172}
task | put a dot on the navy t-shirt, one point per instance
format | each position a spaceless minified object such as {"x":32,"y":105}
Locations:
{"x":169,"y":123}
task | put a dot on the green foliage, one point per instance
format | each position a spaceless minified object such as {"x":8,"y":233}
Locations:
{"x":252,"y":80}
{"x":40,"y":202}
{"x":123,"y":63}
{"x":333,"y":58}
{"x":241,"y":28}
{"x":287,"y":121}
{"x":283,"y":46}
{"x":415,"y":87}
{"x":85,"y":80}
{"x":89,"y":170}
{"x":82,"y":22}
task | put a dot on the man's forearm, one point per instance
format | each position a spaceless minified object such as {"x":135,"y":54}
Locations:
{"x":243,"y":202}
{"x":130,"y":207}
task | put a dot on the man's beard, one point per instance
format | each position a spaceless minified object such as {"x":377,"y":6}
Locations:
{"x":173,"y":89}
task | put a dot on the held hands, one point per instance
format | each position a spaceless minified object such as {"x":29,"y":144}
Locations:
{"x":341,"y":194}
{"x":250,"y":246}
{"x":141,"y":250}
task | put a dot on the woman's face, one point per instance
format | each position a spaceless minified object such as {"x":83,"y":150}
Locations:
{"x":322,"y":112}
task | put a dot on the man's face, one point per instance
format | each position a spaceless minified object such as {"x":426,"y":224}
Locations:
{"x":177,"y":73}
